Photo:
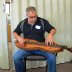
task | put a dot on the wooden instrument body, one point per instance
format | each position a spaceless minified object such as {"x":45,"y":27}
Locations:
{"x":33,"y":45}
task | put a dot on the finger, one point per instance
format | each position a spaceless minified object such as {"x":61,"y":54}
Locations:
{"x":52,"y":43}
{"x":46,"y":43}
{"x":49,"y":43}
{"x":24,"y":40}
{"x":23,"y":45}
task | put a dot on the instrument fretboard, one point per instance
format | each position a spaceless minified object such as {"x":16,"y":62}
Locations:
{"x":44,"y":44}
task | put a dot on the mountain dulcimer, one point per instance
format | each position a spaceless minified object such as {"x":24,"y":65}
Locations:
{"x":35,"y":45}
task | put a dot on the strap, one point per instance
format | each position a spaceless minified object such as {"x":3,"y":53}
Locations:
{"x":21,"y":26}
{"x":42,"y":23}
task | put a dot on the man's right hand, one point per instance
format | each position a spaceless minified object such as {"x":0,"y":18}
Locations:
{"x":21,"y":41}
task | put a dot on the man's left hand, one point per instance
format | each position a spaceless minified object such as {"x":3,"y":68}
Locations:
{"x":49,"y":40}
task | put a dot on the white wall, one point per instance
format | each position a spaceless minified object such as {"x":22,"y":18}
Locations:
{"x":4,"y":61}
{"x":57,"y":12}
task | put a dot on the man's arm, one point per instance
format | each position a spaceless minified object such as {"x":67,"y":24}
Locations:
{"x":52,"y":32}
{"x":49,"y":39}
{"x":19,"y":38}
{"x":16,"y":35}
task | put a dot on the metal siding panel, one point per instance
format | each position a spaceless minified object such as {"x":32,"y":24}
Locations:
{"x":4,"y":61}
{"x":59,"y":14}
{"x":32,"y":3}
{"x":24,"y":6}
{"x":40,"y":8}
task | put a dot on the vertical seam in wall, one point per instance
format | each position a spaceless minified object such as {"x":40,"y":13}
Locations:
{"x":20,"y":10}
{"x":36,"y":5}
{"x":44,"y":15}
{"x":70,"y":19}
{"x":64,"y":3}
{"x":51,"y":10}
{"x":28,"y":3}
{"x":58,"y":16}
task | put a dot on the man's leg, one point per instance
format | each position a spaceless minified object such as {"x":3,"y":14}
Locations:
{"x":51,"y":60}
{"x":18,"y":60}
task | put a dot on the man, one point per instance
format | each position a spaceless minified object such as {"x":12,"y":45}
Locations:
{"x":32,"y":28}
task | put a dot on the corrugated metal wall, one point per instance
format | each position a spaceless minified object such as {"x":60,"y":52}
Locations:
{"x":4,"y":61}
{"x":57,"y":12}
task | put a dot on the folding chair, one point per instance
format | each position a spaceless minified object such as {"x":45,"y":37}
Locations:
{"x":35,"y":58}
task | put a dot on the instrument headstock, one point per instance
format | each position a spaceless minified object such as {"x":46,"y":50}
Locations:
{"x":66,"y":47}
{"x":69,"y":49}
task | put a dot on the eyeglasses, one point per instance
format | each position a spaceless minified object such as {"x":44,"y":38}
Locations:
{"x":32,"y":17}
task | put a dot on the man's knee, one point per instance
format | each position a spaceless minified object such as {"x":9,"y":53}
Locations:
{"x":19,"y":55}
{"x":16,"y":58}
{"x":52,"y":57}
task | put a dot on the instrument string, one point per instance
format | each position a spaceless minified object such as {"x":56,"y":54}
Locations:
{"x":44,"y":44}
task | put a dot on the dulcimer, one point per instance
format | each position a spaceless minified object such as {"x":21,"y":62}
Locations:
{"x":35,"y":45}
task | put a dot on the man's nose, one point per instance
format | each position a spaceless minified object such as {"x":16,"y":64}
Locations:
{"x":34,"y":18}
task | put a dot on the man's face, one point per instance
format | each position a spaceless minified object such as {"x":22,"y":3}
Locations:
{"x":32,"y":17}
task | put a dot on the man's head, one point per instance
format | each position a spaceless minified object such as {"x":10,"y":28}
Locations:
{"x":31,"y":14}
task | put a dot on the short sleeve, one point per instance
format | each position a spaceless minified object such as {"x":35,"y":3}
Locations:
{"x":18,"y":29}
{"x":47,"y":27}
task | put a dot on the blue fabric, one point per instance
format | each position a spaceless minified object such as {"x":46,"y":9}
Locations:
{"x":21,"y":54}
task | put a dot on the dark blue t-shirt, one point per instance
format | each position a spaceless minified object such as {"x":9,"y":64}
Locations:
{"x":36,"y":31}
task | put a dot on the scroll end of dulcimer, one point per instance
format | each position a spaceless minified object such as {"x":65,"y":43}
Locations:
{"x":64,"y":47}
{"x":69,"y":49}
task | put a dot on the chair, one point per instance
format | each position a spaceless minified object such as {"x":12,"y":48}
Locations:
{"x":34,"y":58}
